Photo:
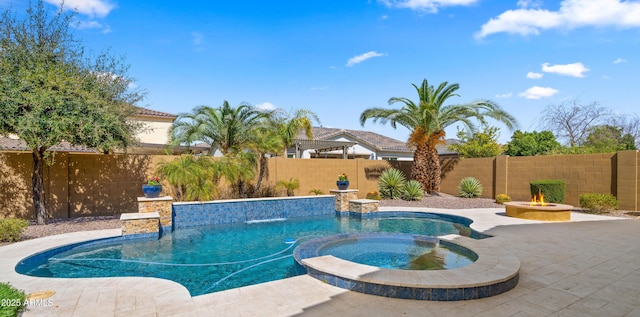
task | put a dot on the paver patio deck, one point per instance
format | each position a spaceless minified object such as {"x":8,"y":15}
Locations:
{"x":587,"y":267}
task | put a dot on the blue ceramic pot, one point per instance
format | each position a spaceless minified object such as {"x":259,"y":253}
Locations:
{"x":151,"y":191}
{"x":342,"y":185}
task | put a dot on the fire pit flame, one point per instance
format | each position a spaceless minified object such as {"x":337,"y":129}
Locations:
{"x":538,"y":200}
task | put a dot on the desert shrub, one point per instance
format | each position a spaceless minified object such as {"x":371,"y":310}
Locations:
{"x":11,"y":229}
{"x":391,"y":183}
{"x":316,"y":191}
{"x":413,"y":191}
{"x":553,"y":190}
{"x":502,"y":198}
{"x":373,"y":195}
{"x":470,"y":187}
{"x":13,"y":300}
{"x":598,"y":203}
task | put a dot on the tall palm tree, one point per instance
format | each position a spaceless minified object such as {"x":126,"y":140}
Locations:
{"x":427,"y":120}
{"x":225,"y":128}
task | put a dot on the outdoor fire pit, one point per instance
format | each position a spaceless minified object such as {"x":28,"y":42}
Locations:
{"x":537,"y":209}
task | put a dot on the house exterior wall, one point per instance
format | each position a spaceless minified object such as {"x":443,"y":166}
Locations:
{"x":156,"y":132}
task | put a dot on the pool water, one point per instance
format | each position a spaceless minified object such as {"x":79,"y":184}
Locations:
{"x":393,"y":251}
{"x":214,"y":258}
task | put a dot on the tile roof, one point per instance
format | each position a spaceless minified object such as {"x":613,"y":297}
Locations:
{"x":378,"y":141}
{"x":10,"y":144}
{"x":154,"y":113}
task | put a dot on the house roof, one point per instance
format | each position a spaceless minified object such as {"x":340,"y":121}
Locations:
{"x":10,"y":144}
{"x":375,"y":140}
{"x":154,"y":113}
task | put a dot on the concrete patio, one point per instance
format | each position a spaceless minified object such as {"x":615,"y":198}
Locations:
{"x":589,"y":266}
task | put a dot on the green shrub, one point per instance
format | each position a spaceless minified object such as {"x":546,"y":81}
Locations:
{"x":413,"y":191}
{"x":290,"y":185}
{"x":470,"y":187}
{"x":553,"y":190}
{"x":12,"y":300}
{"x":598,"y":203}
{"x":11,"y":229}
{"x":373,"y":195}
{"x":316,"y":191}
{"x":502,"y":198}
{"x":391,"y":183}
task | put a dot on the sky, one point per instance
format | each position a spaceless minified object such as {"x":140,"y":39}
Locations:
{"x":338,"y":58}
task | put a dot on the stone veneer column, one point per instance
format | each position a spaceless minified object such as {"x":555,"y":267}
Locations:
{"x":161,"y":205}
{"x":343,"y":197}
{"x":136,"y":223}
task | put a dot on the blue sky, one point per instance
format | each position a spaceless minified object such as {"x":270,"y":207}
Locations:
{"x":338,"y":58}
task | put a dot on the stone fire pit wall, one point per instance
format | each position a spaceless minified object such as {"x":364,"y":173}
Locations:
{"x":549,"y":212}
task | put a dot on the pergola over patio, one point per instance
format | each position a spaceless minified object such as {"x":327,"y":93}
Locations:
{"x":321,"y":146}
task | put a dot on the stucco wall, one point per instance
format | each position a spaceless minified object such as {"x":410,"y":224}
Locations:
{"x":156,"y":132}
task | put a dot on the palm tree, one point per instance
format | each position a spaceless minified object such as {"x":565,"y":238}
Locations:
{"x":290,"y":185}
{"x":238,"y":168}
{"x":192,"y":178}
{"x":225,"y":128}
{"x":427,"y":120}
{"x":266,"y":142}
{"x":290,"y":125}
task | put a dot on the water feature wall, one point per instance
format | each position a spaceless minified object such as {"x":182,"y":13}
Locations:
{"x":190,"y":214}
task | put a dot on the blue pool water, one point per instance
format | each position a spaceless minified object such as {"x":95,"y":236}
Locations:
{"x":213,"y":258}
{"x":393,"y":251}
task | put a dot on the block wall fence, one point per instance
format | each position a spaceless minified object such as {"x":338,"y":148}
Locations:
{"x":103,"y":185}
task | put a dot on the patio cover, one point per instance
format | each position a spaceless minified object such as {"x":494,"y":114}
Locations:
{"x":320,"y":146}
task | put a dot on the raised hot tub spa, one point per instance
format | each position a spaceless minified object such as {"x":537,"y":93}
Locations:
{"x":409,"y":266}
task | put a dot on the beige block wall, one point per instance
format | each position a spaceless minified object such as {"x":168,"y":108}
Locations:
{"x":592,"y":173}
{"x":91,"y":184}
{"x":323,"y":173}
{"x":15,"y":185}
{"x":457,"y":169}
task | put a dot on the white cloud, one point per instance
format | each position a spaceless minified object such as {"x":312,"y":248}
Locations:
{"x":319,"y":88}
{"x":575,"y":69}
{"x":572,"y":14}
{"x":537,"y":92}
{"x":507,"y":95}
{"x":91,"y":8}
{"x":266,"y":106}
{"x":363,"y":57}
{"x":533,"y":75}
{"x":619,"y":60}
{"x":93,"y":25}
{"x":430,"y":6}
{"x":529,"y":4}
{"x":197,"y":38}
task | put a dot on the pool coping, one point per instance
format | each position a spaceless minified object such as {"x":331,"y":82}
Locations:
{"x":118,"y":296}
{"x":493,"y":273}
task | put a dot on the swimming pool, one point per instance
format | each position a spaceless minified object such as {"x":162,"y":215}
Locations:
{"x":213,"y":258}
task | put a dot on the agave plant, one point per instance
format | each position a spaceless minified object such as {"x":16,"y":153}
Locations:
{"x":470,"y":187}
{"x":391,"y":183}
{"x":413,"y":191}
